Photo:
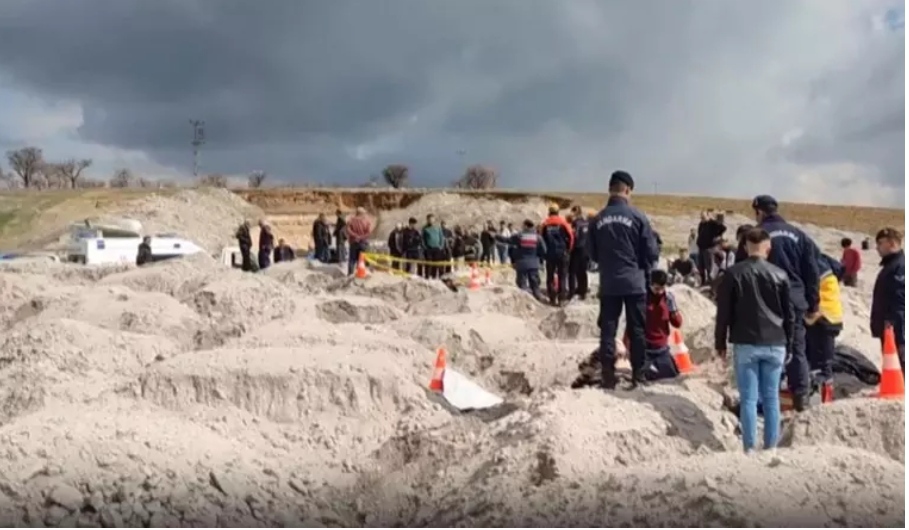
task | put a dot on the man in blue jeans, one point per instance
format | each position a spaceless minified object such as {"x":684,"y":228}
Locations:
{"x":754,"y":312}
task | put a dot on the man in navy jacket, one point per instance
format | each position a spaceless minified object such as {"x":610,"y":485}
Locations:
{"x":621,"y":242}
{"x":888,"y":305}
{"x":793,"y":251}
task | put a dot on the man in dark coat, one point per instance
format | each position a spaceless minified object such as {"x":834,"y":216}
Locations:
{"x":321,"y":238}
{"x":621,"y":243}
{"x":244,"y":241}
{"x":145,"y":253}
{"x":888,"y":305}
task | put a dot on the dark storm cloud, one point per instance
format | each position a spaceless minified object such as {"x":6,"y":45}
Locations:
{"x":681,"y":91}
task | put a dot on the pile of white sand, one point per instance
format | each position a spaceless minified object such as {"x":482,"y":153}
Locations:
{"x":185,"y":393}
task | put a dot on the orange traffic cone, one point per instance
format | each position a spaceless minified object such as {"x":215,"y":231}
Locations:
{"x":361,"y":267}
{"x":680,"y":352}
{"x":474,"y":284}
{"x":435,"y":384}
{"x":891,"y":374}
{"x":488,"y":277}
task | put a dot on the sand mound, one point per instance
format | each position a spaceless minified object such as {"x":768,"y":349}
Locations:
{"x":286,"y":385}
{"x":238,"y":297}
{"x":303,"y":277}
{"x":209,"y":216}
{"x":395,"y":290}
{"x":356,"y":310}
{"x":466,"y":211}
{"x":56,"y":359}
{"x":114,"y":465}
{"x":874,"y":425}
{"x":575,"y":321}
{"x":65,"y":273}
{"x":525,"y":367}
{"x":722,"y":489}
{"x":118,"y":309}
{"x":176,"y":277}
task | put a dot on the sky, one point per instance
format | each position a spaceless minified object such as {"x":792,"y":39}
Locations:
{"x":803,"y":99}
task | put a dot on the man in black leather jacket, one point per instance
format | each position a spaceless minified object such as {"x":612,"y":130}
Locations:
{"x":755,"y":313}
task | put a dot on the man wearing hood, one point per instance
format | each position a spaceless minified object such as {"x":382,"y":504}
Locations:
{"x":559,"y":239}
{"x":793,"y":251}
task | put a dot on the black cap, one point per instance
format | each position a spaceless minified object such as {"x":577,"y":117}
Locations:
{"x":622,"y":177}
{"x":764,"y":203}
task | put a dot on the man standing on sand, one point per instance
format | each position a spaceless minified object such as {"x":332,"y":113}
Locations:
{"x":852,"y":263}
{"x":793,"y":251}
{"x":266,"y":245}
{"x":358,"y":230}
{"x":580,"y":258}
{"x":621,"y":243}
{"x":559,"y":239}
{"x":341,"y":236}
{"x":754,"y":311}
{"x":888,"y":305}
{"x":244,"y":241}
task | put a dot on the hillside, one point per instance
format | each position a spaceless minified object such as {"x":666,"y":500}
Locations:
{"x":32,"y":219}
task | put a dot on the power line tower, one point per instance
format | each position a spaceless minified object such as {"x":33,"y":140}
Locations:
{"x":198,"y":141}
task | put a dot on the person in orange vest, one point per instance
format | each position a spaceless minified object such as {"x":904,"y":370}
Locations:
{"x":559,"y":239}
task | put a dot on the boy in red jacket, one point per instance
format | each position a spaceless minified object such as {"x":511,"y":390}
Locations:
{"x":661,"y":313}
{"x":852,"y":263}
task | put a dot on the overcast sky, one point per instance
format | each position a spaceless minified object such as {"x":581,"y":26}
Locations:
{"x":800,"y":98}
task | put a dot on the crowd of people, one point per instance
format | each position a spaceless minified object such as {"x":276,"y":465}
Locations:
{"x":777,"y":294}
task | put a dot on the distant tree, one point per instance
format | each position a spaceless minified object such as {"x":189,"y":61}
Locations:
{"x":122,"y":178}
{"x":26,"y":163}
{"x":478,"y":177}
{"x":256,"y":178}
{"x":396,"y":175}
{"x":71,"y":170}
{"x":7,"y":180}
{"x":213,"y":180}
{"x":87,"y":183}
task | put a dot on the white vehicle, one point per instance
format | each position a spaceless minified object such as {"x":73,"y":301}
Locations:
{"x":111,"y":243}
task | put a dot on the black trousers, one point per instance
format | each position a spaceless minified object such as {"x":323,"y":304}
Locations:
{"x":798,"y":373}
{"x":577,"y":274}
{"x":705,"y":265}
{"x":635,"y":314}
{"x":433,"y":255}
{"x":557,"y":267}
{"x":820,"y":348}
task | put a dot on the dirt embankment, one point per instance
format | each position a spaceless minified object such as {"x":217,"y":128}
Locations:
{"x":303,"y":201}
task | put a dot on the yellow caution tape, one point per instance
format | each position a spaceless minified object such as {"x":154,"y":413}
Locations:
{"x":388,"y":258}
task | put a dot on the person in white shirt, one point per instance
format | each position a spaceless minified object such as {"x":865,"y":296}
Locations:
{"x":501,"y":246}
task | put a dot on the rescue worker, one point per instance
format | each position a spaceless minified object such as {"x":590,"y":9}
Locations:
{"x":433,"y":248}
{"x":754,"y":312}
{"x":244,"y":241}
{"x":888,"y":304}
{"x":266,"y":245}
{"x":144,"y":254}
{"x":662,"y":312}
{"x":321,"y":238}
{"x":448,"y":238}
{"x":821,"y":333}
{"x":412,"y":243}
{"x":340,"y":236}
{"x":793,"y":251}
{"x":529,"y":251}
{"x":852,"y":263}
{"x":357,"y":229}
{"x":396,"y":245}
{"x":621,"y":243}
{"x":283,"y":252}
{"x":580,"y":259}
{"x":559,"y":239}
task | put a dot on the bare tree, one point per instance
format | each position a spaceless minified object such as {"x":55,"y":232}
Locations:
{"x":478,"y":177}
{"x":70,"y":170}
{"x":396,"y":175}
{"x":256,"y":178}
{"x":26,"y":163}
{"x":214,"y":180}
{"x":7,"y":180}
{"x":122,"y":178}
{"x":87,"y":183}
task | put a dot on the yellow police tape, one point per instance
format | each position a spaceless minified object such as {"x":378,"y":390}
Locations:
{"x":385,"y":259}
